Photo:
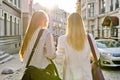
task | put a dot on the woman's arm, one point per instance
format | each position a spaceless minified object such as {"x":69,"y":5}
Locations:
{"x":50,"y":47}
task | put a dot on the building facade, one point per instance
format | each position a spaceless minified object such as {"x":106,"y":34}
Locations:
{"x":26,"y":10}
{"x":57,"y":19}
{"x":94,"y":13}
{"x":10,"y":25}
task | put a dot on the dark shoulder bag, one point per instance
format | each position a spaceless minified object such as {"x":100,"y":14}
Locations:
{"x":96,"y":70}
{"x":34,"y":73}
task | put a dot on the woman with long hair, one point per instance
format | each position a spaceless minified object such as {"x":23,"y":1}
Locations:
{"x":73,"y":51}
{"x":45,"y":47}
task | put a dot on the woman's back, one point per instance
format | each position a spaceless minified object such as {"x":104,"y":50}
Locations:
{"x":77,"y":63}
{"x":76,"y":50}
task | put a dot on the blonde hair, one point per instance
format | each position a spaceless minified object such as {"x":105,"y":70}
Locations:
{"x":34,"y":24}
{"x":76,"y":34}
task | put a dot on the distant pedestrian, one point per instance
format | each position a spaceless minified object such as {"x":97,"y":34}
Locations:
{"x":73,"y":51}
{"x":45,"y":47}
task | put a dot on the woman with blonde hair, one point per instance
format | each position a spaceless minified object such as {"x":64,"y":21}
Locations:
{"x":73,"y":51}
{"x":45,"y":47}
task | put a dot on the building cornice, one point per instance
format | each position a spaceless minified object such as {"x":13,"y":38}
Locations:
{"x":11,"y":6}
{"x":108,"y":13}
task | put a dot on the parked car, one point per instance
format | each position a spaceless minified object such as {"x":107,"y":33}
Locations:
{"x":109,"y":52}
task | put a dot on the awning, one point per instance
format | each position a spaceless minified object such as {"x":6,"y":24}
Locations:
{"x":109,"y":19}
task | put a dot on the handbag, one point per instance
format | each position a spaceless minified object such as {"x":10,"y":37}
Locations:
{"x":96,"y":70}
{"x":34,"y":73}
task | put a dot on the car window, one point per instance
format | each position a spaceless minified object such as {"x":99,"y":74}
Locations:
{"x":113,"y":44}
{"x":118,"y":44}
{"x":100,"y":45}
{"x":106,"y":43}
{"x":110,"y":43}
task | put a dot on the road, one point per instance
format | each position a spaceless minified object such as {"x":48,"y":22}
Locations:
{"x":111,"y":73}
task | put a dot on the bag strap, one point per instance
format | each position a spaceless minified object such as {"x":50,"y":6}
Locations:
{"x":92,"y":48}
{"x":54,"y":67}
{"x":32,"y":52}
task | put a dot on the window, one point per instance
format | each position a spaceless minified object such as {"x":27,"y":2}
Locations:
{"x":18,"y":27}
{"x":10,"y":25}
{"x":103,"y":3}
{"x":103,"y":6}
{"x":91,"y":9}
{"x":115,"y":32}
{"x":117,"y":4}
{"x":92,"y":29}
{"x":15,"y":27}
{"x":0,"y":2}
{"x":103,"y":32}
{"x":19,"y":3}
{"x":11,"y":0}
{"x":5,"y":24}
{"x":111,"y":6}
{"x":15,"y":2}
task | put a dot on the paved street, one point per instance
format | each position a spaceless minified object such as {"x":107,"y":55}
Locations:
{"x":112,"y":73}
{"x":14,"y":63}
{"x":109,"y":74}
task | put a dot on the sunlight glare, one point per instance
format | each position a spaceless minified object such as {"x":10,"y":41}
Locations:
{"x":48,"y":3}
{"x":67,"y":5}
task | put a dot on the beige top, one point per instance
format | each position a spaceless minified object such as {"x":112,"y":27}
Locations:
{"x":45,"y":48}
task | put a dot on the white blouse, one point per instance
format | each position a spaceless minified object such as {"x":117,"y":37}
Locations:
{"x":72,"y":64}
{"x":45,"y":48}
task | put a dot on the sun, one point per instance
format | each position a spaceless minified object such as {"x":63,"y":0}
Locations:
{"x":48,"y":3}
{"x":67,"y":5}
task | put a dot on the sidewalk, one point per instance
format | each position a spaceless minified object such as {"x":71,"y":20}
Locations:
{"x":15,"y":63}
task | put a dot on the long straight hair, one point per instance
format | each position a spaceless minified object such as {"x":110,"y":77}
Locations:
{"x":34,"y":24}
{"x":76,"y":34}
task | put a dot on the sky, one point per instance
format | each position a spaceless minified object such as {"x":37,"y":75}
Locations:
{"x":67,"y":5}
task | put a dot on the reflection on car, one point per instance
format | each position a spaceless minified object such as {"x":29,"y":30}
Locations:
{"x":109,"y":52}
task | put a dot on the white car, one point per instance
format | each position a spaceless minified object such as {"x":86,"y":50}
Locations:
{"x":109,"y":52}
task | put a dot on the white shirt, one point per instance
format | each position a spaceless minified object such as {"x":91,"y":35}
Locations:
{"x":75,"y":64}
{"x":45,"y":48}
